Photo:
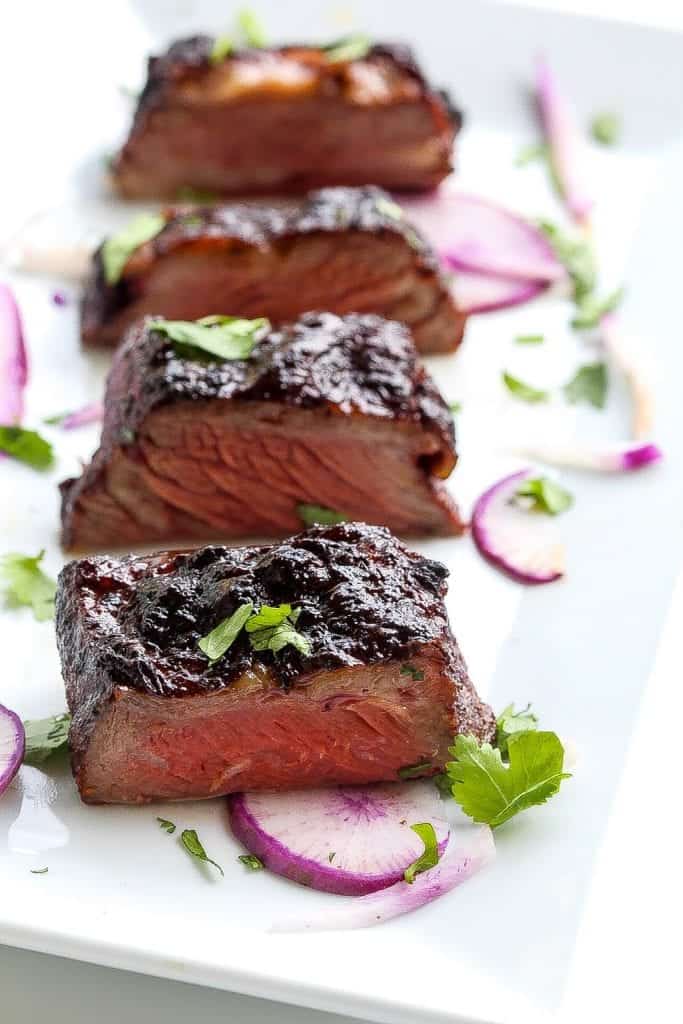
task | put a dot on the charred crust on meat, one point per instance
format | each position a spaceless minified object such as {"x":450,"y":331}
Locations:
{"x":327,"y":211}
{"x":357,"y":365}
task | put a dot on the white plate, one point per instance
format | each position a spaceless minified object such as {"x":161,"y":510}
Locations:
{"x":119,"y":891}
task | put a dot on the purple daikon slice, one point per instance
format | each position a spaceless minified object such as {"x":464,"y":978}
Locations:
{"x":470,"y":848}
{"x":348,"y":840}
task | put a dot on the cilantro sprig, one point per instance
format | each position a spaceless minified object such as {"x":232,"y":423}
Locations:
{"x":118,"y":248}
{"x":27,"y":584}
{"x":269,"y":629}
{"x":492,"y":784}
{"x":225,"y":337}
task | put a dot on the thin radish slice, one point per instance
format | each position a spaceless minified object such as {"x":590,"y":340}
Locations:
{"x":614,"y":458}
{"x":521,"y":543}
{"x":349,"y":840}
{"x":476,"y":234}
{"x":562,"y":135}
{"x":13,"y":360}
{"x":91,"y":413}
{"x":12,"y":744}
{"x":469,"y":849}
{"x":483,"y":293}
{"x":621,"y":354}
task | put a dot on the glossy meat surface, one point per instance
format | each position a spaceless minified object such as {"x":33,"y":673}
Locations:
{"x":382,"y":687}
{"x":344,"y":250}
{"x":330,"y":411}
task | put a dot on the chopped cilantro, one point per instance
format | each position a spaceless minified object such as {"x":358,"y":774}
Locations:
{"x":414,"y":673}
{"x":118,"y":248}
{"x":190,"y":841}
{"x":545,"y":495}
{"x":226,"y":337}
{"x":27,"y":446}
{"x":352,"y":48}
{"x":318,"y":515}
{"x":589,"y":384}
{"x":606,"y":128}
{"x":166,"y":825}
{"x":250,"y":861}
{"x":525,"y":392}
{"x":429,"y":857}
{"x":27,"y":584}
{"x":216,"y":643}
{"x":45,"y":737}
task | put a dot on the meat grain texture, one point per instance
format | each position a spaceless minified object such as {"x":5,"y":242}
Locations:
{"x":329,"y":411}
{"x":284,"y":119}
{"x":344,"y":250}
{"x":383,"y":685}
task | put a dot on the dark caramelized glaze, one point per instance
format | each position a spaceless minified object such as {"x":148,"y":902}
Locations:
{"x":364,"y":599}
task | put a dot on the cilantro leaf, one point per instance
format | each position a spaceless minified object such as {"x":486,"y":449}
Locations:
{"x":45,"y":737}
{"x":272,"y":628}
{"x":312,"y":515}
{"x":525,"y":392}
{"x":577,"y":257}
{"x":529,"y":339}
{"x":492,"y":792}
{"x":166,"y":825}
{"x":251,"y":861}
{"x":430,"y":856}
{"x":414,"y":771}
{"x":188,"y":194}
{"x":511,"y":722}
{"x":414,"y":673}
{"x":27,"y":446}
{"x":354,"y":47}
{"x":590,"y":309}
{"x":546,"y":495}
{"x":528,"y":154}
{"x":222,"y":48}
{"x":252,"y":29}
{"x":39,"y":871}
{"x":27,"y":584}
{"x":216,"y":643}
{"x":589,"y":384}
{"x":117,"y":249}
{"x":190,"y":841}
{"x":227,"y":337}
{"x":606,"y":128}
{"x":455,"y":407}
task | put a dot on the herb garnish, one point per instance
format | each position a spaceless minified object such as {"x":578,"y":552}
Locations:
{"x":251,"y":861}
{"x":590,"y":309}
{"x":491,"y":791}
{"x":430,"y":856}
{"x":414,"y":771}
{"x":269,"y":629}
{"x":414,"y":673}
{"x":189,"y":194}
{"x":39,"y":871}
{"x":272,"y":628}
{"x":318,"y":515}
{"x":528,"y":154}
{"x":252,"y":29}
{"x":166,"y":825}
{"x":352,"y":48}
{"x":545,"y":495}
{"x":27,"y":584}
{"x":606,"y":128}
{"x":45,"y":737}
{"x":525,"y":392}
{"x":331,"y":856}
{"x":117,"y":249}
{"x":190,"y":841}
{"x":27,"y":446}
{"x":510,"y":723}
{"x":222,"y":48}
{"x":216,"y":643}
{"x":589,"y":384}
{"x":227,"y":337}
{"x":455,"y":407}
{"x":530,"y":339}
{"x":577,"y":257}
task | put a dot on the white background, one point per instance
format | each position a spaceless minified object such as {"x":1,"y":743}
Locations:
{"x":35,"y":987}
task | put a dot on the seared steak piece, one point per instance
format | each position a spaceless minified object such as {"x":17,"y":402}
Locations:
{"x":343,"y":250}
{"x":381,"y":687}
{"x":284,"y":120}
{"x":330,"y":411}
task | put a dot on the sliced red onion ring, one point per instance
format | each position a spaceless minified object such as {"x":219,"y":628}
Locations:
{"x":521,"y":543}
{"x":562,"y":136}
{"x":476,"y":234}
{"x":614,"y":458}
{"x":12,"y":744}
{"x":483,"y":293}
{"x":469,"y":849}
{"x":621,"y":354}
{"x":349,"y":840}
{"x":13,"y":360}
